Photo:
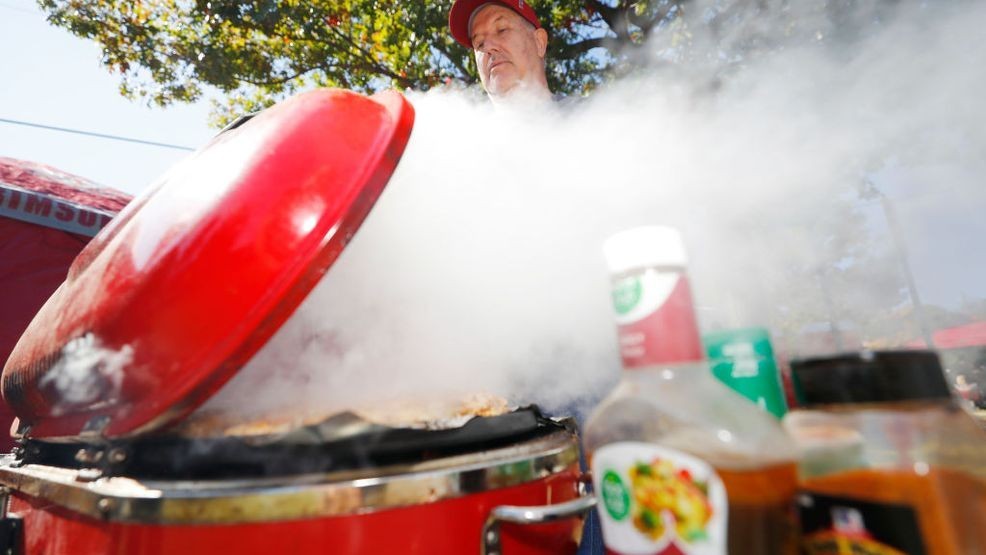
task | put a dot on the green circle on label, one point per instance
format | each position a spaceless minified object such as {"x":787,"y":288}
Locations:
{"x":615,"y":496}
{"x":626,"y":294}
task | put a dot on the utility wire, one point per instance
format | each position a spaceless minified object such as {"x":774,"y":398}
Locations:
{"x":91,"y":134}
{"x":18,"y":9}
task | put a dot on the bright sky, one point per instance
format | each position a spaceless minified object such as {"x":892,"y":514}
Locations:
{"x":50,"y":77}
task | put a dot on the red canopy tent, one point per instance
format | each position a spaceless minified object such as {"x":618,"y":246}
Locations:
{"x":956,"y":337}
{"x":969,"y":335}
{"x":46,"y":217}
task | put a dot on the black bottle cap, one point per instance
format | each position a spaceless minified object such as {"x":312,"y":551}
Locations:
{"x":869,"y":377}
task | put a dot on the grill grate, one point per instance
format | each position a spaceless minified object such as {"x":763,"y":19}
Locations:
{"x":310,"y":449}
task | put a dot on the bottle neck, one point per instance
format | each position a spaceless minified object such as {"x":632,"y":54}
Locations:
{"x":655,"y":317}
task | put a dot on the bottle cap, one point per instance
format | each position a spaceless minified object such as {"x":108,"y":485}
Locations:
{"x":744,"y":360}
{"x":645,"y":246}
{"x":869,"y":377}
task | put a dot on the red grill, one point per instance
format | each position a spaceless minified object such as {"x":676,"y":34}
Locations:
{"x":174,"y":296}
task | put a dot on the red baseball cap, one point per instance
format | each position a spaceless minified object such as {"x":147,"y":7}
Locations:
{"x":462,"y":10}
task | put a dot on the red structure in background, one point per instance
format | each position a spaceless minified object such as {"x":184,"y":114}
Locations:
{"x":46,"y":217}
{"x":958,"y":337}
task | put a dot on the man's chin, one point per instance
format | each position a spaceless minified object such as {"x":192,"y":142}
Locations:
{"x":519,"y":90}
{"x":502,"y":87}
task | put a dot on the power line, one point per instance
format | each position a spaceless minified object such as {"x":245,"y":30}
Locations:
{"x":92,"y":134}
{"x":18,"y":9}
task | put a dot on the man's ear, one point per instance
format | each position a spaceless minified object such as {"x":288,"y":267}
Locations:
{"x":541,"y":38}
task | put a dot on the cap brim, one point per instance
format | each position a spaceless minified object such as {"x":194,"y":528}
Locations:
{"x":458,"y":19}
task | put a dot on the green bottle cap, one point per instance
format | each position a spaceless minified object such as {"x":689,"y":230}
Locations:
{"x":743,"y":359}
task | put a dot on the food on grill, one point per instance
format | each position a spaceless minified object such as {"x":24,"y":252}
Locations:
{"x":432,"y":414}
{"x":435,"y":414}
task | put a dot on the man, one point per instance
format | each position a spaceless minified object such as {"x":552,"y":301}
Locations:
{"x":967,"y":391}
{"x":509,"y":44}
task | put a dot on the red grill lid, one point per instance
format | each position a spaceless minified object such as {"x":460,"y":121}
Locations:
{"x":186,"y":284}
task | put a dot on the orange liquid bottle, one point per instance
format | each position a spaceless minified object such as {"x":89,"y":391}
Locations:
{"x":892,"y":463}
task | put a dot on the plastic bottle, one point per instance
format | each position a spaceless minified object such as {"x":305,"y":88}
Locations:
{"x":681,"y":463}
{"x":892,"y":463}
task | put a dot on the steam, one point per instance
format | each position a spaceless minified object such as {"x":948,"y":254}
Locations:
{"x":87,"y":371}
{"x":479,"y":269}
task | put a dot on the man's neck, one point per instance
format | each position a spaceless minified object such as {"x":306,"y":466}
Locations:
{"x":524,"y":94}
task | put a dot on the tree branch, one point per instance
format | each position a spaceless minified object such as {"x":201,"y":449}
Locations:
{"x":370,"y":63}
{"x":647,"y":23}
{"x":456,"y":61}
{"x":612,"y":18}
{"x":584,"y":46}
{"x":279,"y":80}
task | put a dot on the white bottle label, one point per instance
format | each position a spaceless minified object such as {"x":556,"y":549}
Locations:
{"x":654,"y":500}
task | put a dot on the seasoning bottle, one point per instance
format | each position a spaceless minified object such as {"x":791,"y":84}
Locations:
{"x":681,"y":464}
{"x":892,"y":463}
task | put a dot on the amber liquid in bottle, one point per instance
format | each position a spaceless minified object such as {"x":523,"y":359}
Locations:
{"x":761,"y":514}
{"x":948,"y":526}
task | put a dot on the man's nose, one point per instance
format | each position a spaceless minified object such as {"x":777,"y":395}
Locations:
{"x":490,"y":45}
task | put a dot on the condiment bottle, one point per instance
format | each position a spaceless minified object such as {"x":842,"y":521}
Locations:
{"x":892,"y":463}
{"x":681,"y":464}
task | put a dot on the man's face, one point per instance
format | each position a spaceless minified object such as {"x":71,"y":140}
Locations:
{"x":508,"y":49}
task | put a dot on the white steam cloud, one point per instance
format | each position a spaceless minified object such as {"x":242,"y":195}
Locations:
{"x":480,"y":269}
{"x":87,"y":371}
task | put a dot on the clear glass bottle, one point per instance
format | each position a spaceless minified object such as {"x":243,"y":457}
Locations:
{"x":892,"y":463}
{"x":681,"y":464}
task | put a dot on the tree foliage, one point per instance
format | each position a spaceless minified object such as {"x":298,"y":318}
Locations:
{"x":254,"y":52}
{"x":257,"y":51}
